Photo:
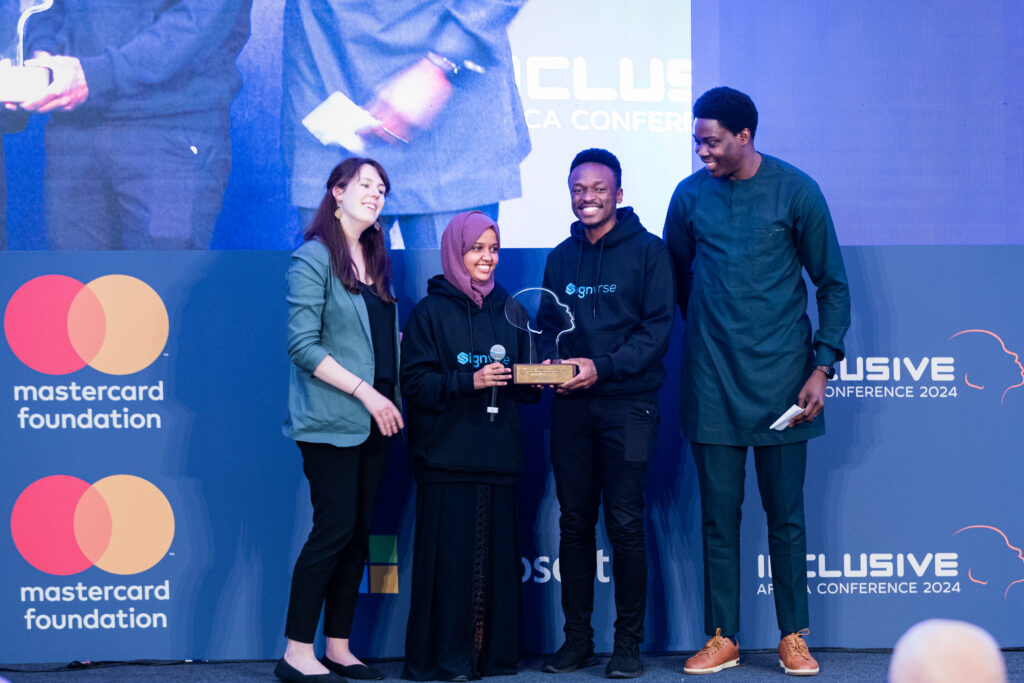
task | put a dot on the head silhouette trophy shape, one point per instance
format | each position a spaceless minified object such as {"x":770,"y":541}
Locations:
{"x":32,"y":8}
{"x":540,"y":312}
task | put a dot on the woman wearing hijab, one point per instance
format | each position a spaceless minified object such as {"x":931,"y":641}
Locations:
{"x":464,"y":616}
{"x":342,"y":410}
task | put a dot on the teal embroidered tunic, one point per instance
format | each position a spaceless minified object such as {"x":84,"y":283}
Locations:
{"x":740,"y":248}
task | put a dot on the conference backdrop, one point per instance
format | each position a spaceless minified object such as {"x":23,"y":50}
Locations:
{"x":155,"y":509}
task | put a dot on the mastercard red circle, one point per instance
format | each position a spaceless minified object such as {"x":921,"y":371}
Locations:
{"x":42,"y":525}
{"x":36,"y":324}
{"x":56,"y":325}
{"x":122,"y":524}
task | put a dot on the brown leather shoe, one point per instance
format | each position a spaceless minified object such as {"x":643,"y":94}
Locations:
{"x":717,"y":654}
{"x":794,"y":657}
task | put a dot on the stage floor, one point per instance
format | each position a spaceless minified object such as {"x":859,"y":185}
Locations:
{"x":760,"y":665}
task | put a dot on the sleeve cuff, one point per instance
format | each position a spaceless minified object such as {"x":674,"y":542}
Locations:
{"x":312,"y":359}
{"x":47,"y":44}
{"x":825,"y":355}
{"x":458,"y":45}
{"x":13,"y":121}
{"x":99,"y":76}
{"x":465,"y":383}
{"x":603,"y":365}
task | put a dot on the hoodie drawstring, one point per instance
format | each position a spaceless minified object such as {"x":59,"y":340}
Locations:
{"x":494,"y":328}
{"x":579,"y":269}
{"x":469,"y":324}
{"x":597,"y":279}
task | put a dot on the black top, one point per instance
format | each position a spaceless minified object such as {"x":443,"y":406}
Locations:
{"x":622,"y":295}
{"x":382,"y":336}
{"x":451,"y":436}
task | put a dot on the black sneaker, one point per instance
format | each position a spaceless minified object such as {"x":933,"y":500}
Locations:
{"x":576,"y":652}
{"x":625,"y":662}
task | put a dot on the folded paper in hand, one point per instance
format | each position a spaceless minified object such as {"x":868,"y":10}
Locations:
{"x":336,"y":120}
{"x":784,"y":419}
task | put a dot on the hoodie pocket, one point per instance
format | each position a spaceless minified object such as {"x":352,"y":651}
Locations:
{"x":464,"y":439}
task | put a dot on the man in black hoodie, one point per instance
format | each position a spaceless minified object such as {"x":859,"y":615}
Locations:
{"x":138,"y":146}
{"x":617,"y":279}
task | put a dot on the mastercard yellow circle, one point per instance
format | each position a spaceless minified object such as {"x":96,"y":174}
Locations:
{"x":142,"y":524}
{"x":135,"y":322}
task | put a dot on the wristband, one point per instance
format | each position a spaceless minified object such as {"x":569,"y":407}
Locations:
{"x":826,"y":370}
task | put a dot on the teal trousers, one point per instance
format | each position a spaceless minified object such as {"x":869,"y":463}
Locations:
{"x":721,"y":471}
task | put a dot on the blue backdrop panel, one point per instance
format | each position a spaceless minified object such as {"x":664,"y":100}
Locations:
{"x":912,"y":498}
{"x":905,"y":115}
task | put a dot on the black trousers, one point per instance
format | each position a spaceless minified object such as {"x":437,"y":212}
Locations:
{"x":134,"y":185}
{"x":780,"y":479}
{"x":600,"y":448}
{"x":343,"y":485}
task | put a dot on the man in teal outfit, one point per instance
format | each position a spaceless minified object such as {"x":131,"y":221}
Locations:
{"x":741,"y":232}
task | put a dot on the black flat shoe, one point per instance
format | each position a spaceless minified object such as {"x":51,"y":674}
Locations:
{"x":289,"y":674}
{"x":359,"y":672}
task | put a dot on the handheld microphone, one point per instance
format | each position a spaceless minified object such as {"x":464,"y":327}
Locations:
{"x":497,"y":353}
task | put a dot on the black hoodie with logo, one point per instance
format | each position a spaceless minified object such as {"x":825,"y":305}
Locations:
{"x":621,"y":292}
{"x":446,"y":339}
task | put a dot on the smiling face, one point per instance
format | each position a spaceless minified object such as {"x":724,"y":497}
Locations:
{"x":722,"y":152}
{"x":482,"y":257}
{"x":594,"y":195}
{"x":362,"y":198}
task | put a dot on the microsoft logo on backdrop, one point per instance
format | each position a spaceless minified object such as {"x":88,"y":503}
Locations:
{"x":381,"y":572}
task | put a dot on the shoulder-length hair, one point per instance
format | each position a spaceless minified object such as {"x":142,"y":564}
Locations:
{"x":326,"y":228}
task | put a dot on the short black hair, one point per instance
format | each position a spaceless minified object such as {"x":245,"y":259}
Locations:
{"x":731,"y":108}
{"x":597,"y":155}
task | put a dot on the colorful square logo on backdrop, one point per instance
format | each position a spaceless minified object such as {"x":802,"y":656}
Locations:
{"x":381,"y":572}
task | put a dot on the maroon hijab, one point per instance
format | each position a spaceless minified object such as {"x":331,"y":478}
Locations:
{"x":462,"y":233}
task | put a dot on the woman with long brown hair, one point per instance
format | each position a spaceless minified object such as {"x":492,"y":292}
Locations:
{"x":342,"y":409}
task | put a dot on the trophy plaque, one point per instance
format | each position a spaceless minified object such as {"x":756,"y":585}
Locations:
{"x":539,"y":373}
{"x":540,"y":312}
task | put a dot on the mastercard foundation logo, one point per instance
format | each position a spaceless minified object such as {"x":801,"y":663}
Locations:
{"x":56,"y":325}
{"x":122,"y":524}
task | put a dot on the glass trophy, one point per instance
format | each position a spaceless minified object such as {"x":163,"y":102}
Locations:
{"x":540,"y":312}
{"x":19,"y":83}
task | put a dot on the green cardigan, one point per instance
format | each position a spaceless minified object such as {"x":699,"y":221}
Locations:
{"x":325,"y":319}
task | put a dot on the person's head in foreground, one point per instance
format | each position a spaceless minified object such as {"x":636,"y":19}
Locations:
{"x":945,"y":651}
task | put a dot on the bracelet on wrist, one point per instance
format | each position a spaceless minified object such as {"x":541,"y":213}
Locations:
{"x":451,"y":68}
{"x":356,"y":388}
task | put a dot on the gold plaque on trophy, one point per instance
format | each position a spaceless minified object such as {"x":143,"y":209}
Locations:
{"x":535,"y":373}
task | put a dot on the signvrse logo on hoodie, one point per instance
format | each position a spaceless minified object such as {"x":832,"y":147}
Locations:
{"x":584,"y":290}
{"x":478,"y":360}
